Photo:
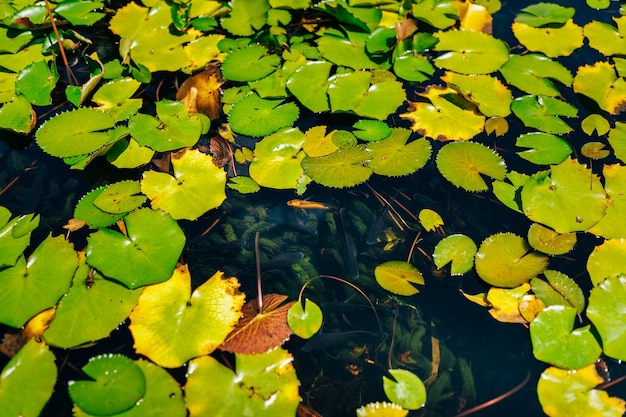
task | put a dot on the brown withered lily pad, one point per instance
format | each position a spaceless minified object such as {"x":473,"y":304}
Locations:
{"x":258,"y":333}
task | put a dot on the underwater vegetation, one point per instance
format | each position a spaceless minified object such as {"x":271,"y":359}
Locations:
{"x":242,"y":208}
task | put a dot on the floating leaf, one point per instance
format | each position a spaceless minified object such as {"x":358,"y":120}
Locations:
{"x":371,"y":130}
{"x":342,"y":168}
{"x":617,"y":140}
{"x":120,"y":197}
{"x":550,"y":242}
{"x":439,"y":14}
{"x":309,"y":83}
{"x":14,"y":235}
{"x":565,"y":393}
{"x":457,"y":249}
{"x":499,"y":125}
{"x":600,"y":83}
{"x":383,"y":409}
{"x":27,"y":381}
{"x":559,"y":290}
{"x":613,"y":224}
{"x":80,"y":12}
{"x":607,"y":260}
{"x":441,"y":119}
{"x":318,"y":143}
{"x":249,"y":64}
{"x":345,"y":51}
{"x":541,"y":14}
{"x":75,"y":132}
{"x":259,"y":332}
{"x":552,"y":41}
{"x":196,"y":187}
{"x":594,"y":150}
{"x":394,"y":157}
{"x":255,"y":116}
{"x":114,"y":97}
{"x":408,"y":391}
{"x":92,"y":308}
{"x":305,"y":318}
{"x":508,"y":192}
{"x":606,"y":38}
{"x":469,"y":52}
{"x":32,"y":286}
{"x":567,"y":198}
{"x":129,"y":154}
{"x":597,"y":123}
{"x":277,"y":160}
{"x":506,"y":260}
{"x":606,"y":307}
{"x":86,"y":211}
{"x":555,"y":342}
{"x":429,"y":219}
{"x":545,"y":149}
{"x":36,"y":82}
{"x":542,"y":113}
{"x":412,"y":67}
{"x":533,"y":74}
{"x":18,"y":115}
{"x":364,"y":94}
{"x":116,"y":384}
{"x":245,"y":185}
{"x":261,"y":385}
{"x":147,"y":255}
{"x":487,"y":92}
{"x":245,"y":17}
{"x":397,"y":277}
{"x":171,"y":325}
{"x":463,"y":163}
{"x":505,"y":303}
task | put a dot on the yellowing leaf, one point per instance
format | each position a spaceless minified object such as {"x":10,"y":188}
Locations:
{"x":318,"y":143}
{"x":600,"y":83}
{"x":475,"y":17}
{"x":505,"y":303}
{"x":559,"y":41}
{"x":442,"y":119}
{"x":171,"y":326}
{"x":397,"y":276}
{"x":202,"y":92}
{"x":487,"y":92}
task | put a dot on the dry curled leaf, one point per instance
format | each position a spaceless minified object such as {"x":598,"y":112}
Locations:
{"x":202,"y":92}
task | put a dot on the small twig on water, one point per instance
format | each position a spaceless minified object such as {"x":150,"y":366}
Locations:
{"x":258,"y":272}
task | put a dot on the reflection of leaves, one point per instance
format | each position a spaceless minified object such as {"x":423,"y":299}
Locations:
{"x":260,"y":332}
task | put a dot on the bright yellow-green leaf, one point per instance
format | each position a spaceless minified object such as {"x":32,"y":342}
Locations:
{"x":505,"y":303}
{"x":606,"y":38}
{"x":470,"y":52}
{"x":464,"y":164}
{"x":457,"y":249}
{"x":379,"y":409}
{"x":550,"y":242}
{"x":613,"y":224}
{"x":607,"y":260}
{"x":600,"y":83}
{"x":430,"y":219}
{"x":487,"y":92}
{"x":499,"y":125}
{"x":397,"y":276}
{"x":552,"y":41}
{"x":597,"y":123}
{"x":171,"y":325}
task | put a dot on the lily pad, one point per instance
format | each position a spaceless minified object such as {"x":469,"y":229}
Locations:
{"x":36,"y":82}
{"x":395,"y":157}
{"x":505,"y":303}
{"x":617,"y":140}
{"x":18,"y":115}
{"x":606,"y":38}
{"x":345,"y":51}
{"x":559,"y":290}
{"x":506,"y":260}
{"x":171,"y":325}
{"x":147,"y":254}
{"x":249,"y":64}
{"x":567,"y":198}
{"x":117,"y":384}
{"x":26,"y":288}
{"x":244,"y":389}
{"x":491,"y":96}
{"x":439,"y":14}
{"x":342,"y":168}
{"x":115,"y":97}
{"x":381,"y":409}
{"x":371,"y":130}
{"x":550,"y":242}
{"x":27,"y":381}
{"x":429,"y":219}
{"x":541,"y":14}
{"x":309,"y":83}
{"x":543,"y":113}
{"x":597,"y":123}
{"x":468,"y":52}
{"x":196,"y":187}
{"x":120,"y":197}
{"x":552,"y":41}
{"x":408,"y":391}
{"x":545,"y":148}
{"x":606,"y":307}
{"x":555,"y":342}
{"x":397,"y":277}
{"x":613,"y":224}
{"x":463,"y":163}
{"x":245,"y":185}
{"x":86,"y":210}
{"x":533,"y":74}
{"x":14,"y":235}
{"x":600,"y":83}
{"x":255,"y":116}
{"x":305,"y":318}
{"x":607,"y":260}
{"x":412,"y":67}
{"x":457,"y":249}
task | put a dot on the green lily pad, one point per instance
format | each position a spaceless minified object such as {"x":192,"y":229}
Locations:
{"x":76,"y":132}
{"x":617,"y":140}
{"x":408,"y":391}
{"x":340,"y":169}
{"x":414,"y":68}
{"x":429,"y":219}
{"x":397,"y":277}
{"x":606,"y":38}
{"x":173,"y":129}
{"x":305,"y":318}
{"x":92,"y":308}
{"x":550,"y":242}
{"x":457,"y":249}
{"x":245,"y":185}
{"x":197,"y":186}
{"x":86,"y":210}
{"x":439,"y":14}
{"x":309,"y":83}
{"x":613,"y":224}
{"x":395,"y":157}
{"x":36,"y":82}
{"x":371,"y":130}
{"x":345,"y":51}
{"x":545,"y":149}
{"x":541,"y":14}
{"x":268,"y":375}
{"x":27,"y":381}
{"x":277,"y":160}
{"x":115,"y":97}
{"x":117,"y":385}
{"x":507,"y":191}
{"x":597,"y":123}
{"x":26,"y":288}
{"x":463,"y":163}
{"x":606,"y":307}
{"x":487,"y":92}
{"x":79,"y":12}
{"x":171,"y":325}
{"x":249,"y":64}
{"x":120,"y":197}
{"x":254,"y":116}
{"x":14,"y":235}
{"x":600,"y":83}
{"x":559,"y":290}
{"x":543,"y":113}
{"x":146,"y":255}
{"x":245,"y":17}
{"x":129,"y":154}
{"x":533,"y":74}
{"x":378,"y":408}
{"x":506,"y":260}
{"x":18,"y":115}
{"x":362,"y":93}
{"x":552,"y":41}
{"x":556,"y":343}
{"x":468,"y":52}
{"x":566,"y":393}
{"x":607,"y":260}
{"x":566,"y":198}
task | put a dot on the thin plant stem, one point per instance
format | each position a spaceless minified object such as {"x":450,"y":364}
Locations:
{"x":66,"y":64}
{"x":258,"y":272}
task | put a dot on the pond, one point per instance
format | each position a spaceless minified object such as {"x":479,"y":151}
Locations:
{"x":342,"y":152}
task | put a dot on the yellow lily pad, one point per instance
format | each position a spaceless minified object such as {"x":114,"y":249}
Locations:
{"x":397,"y":276}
